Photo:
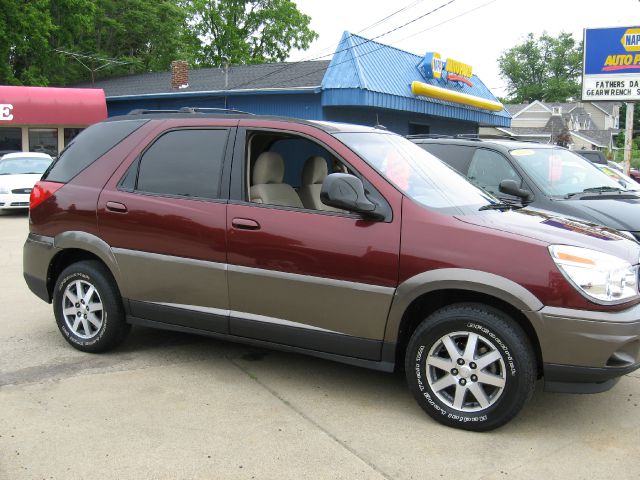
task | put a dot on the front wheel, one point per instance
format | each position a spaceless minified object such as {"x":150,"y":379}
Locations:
{"x":88,"y":307}
{"x":471,"y":367}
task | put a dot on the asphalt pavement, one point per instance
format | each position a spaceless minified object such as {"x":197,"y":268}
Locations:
{"x":174,"y":406}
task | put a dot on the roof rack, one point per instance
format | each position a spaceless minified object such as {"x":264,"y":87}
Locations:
{"x":141,"y":111}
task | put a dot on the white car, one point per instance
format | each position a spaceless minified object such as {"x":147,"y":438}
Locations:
{"x":19,"y":172}
{"x":627,"y":182}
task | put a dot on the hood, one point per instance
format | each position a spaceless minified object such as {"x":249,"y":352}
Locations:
{"x":619,"y":213}
{"x":551,"y":229}
{"x":19,"y":181}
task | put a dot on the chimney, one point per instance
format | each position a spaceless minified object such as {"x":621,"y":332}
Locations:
{"x":179,"y":74}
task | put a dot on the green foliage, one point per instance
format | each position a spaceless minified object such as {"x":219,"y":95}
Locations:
{"x":546,"y":69}
{"x":246,"y":31}
{"x":146,"y":34}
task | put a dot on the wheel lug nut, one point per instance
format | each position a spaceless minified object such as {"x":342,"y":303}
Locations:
{"x":463,"y":382}
{"x":474,"y":378}
{"x":472,"y":365}
{"x":82,"y":302}
{"x":460,"y":361}
{"x":79,"y":313}
{"x":85,"y":315}
{"x":77,"y":305}
{"x":454,"y":371}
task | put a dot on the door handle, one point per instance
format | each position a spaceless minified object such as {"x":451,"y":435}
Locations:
{"x":245,"y":224}
{"x":116,"y":207}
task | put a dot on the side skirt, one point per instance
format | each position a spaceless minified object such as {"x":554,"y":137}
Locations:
{"x":383,"y":366}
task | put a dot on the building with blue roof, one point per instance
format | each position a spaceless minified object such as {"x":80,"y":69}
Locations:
{"x":366,"y":82}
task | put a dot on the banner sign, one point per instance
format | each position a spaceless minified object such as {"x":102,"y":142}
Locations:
{"x":450,"y":70}
{"x":611,"y":64}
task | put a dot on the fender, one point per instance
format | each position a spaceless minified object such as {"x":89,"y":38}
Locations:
{"x":459,"y":279}
{"x":89,"y":242}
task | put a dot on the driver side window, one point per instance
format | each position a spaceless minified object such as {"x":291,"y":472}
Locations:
{"x":288,"y":170}
{"x":488,"y":169}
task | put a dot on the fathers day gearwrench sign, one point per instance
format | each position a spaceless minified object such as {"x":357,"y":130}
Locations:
{"x":611,"y":66}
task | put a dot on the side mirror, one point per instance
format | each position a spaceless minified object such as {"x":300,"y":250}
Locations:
{"x":345,"y":191}
{"x":510,"y":187}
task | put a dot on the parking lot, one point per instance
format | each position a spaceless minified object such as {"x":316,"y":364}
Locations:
{"x":169,"y":405}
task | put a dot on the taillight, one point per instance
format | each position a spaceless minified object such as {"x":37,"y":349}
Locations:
{"x":42,"y":191}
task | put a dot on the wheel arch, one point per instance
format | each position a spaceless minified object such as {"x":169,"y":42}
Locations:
{"x":425,"y":293}
{"x":78,"y":246}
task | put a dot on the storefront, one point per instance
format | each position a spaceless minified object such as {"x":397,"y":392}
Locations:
{"x":366,"y":83}
{"x":42,"y":119}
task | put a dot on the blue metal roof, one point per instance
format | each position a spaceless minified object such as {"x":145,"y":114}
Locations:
{"x":386,"y":72}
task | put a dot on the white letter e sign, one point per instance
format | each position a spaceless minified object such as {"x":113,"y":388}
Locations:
{"x":5,"y":112}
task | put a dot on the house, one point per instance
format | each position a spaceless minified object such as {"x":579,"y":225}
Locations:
{"x":591,"y":125}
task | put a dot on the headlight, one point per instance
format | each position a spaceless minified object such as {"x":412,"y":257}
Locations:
{"x":599,"y":276}
{"x":4,"y":189}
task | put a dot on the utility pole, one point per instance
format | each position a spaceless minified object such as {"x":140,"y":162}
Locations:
{"x":628,"y":137}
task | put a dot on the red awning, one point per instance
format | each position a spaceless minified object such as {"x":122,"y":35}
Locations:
{"x":51,"y":106}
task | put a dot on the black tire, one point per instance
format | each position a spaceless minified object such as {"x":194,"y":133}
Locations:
{"x":113,"y":327}
{"x":515,"y":367}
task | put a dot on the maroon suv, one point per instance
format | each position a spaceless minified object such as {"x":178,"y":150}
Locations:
{"x":343,"y":242}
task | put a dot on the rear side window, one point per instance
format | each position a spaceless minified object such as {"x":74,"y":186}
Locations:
{"x":186,"y":163}
{"x":456,"y":156}
{"x":88,"y":146}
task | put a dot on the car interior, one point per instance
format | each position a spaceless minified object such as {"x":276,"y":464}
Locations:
{"x":288,"y":170}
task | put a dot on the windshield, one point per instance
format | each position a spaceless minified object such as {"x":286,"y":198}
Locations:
{"x":625,"y":181}
{"x":18,"y":166}
{"x":559,"y":172}
{"x":416,"y":173}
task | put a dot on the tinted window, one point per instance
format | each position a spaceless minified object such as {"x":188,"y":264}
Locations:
{"x":456,"y":156}
{"x":488,"y":169}
{"x":187,"y":163}
{"x":88,"y":146}
{"x":594,"y":156}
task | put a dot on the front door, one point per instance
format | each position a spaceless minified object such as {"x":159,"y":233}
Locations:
{"x":317,"y":279}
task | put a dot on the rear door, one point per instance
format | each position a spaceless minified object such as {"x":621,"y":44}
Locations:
{"x":313,"y":279}
{"x":164,"y":214}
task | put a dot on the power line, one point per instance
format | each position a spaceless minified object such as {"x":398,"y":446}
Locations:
{"x":380,"y":47}
{"x":388,"y":17}
{"x":291,"y":65}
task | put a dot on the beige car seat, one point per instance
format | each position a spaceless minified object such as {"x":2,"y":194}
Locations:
{"x":267,"y":186}
{"x":313,"y":174}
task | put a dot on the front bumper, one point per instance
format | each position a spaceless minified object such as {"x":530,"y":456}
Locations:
{"x":14,"y":200}
{"x":587,"y":351}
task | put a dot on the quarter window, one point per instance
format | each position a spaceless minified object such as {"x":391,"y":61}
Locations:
{"x":488,"y":169}
{"x":186,"y":163}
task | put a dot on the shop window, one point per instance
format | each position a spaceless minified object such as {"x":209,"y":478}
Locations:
{"x":44,"y":140}
{"x":418,"y":129}
{"x":70,"y":134}
{"x":10,"y":139}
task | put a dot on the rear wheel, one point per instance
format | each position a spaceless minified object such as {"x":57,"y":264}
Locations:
{"x":469,"y":366}
{"x":88,"y":307}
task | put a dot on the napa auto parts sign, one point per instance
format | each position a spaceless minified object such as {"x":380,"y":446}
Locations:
{"x":611,"y":67}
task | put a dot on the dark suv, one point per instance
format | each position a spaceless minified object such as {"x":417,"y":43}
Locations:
{"x":344,"y":242}
{"x":541,"y":176}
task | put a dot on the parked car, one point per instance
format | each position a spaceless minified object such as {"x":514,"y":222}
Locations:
{"x":625,"y":181}
{"x":344,"y":242}
{"x":18,"y":174}
{"x":594,"y":156}
{"x":542,"y":176}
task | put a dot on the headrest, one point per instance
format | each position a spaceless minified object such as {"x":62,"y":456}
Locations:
{"x":269,"y":168}
{"x":314,"y":171}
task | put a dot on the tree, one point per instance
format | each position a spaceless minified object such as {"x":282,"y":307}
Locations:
{"x":546,"y":69}
{"x":246,"y":31}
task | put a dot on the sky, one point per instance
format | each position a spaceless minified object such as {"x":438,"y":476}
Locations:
{"x":475,"y":32}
